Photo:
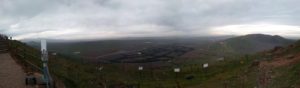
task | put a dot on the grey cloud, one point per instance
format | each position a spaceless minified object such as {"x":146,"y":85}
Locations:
{"x":140,"y":17}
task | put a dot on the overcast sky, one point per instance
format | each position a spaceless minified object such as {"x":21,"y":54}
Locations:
{"x":102,"y":19}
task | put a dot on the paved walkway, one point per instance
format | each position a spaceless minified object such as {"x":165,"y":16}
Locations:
{"x":11,"y":74}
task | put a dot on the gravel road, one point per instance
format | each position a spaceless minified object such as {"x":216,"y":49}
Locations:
{"x":11,"y":74}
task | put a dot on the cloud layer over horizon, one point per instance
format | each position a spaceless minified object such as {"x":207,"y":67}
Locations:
{"x":104,"y":19}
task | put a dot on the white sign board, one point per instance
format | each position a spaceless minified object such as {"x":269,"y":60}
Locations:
{"x":43,"y":45}
{"x":221,"y":59}
{"x":141,"y":67}
{"x":76,"y":52}
{"x":177,"y":70}
{"x":100,"y":68}
{"x":205,"y":65}
{"x":44,"y":50}
{"x":139,"y":53}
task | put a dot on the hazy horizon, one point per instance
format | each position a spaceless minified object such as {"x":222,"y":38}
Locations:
{"x":118,"y":19}
{"x":179,"y":38}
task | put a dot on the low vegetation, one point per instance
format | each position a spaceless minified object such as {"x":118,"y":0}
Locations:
{"x":235,"y":71}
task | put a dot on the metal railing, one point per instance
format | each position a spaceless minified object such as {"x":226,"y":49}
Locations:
{"x":26,"y":57}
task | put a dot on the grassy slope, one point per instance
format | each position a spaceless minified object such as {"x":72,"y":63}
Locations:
{"x":250,"y":44}
{"x":76,"y":74}
{"x":288,"y":76}
{"x":236,"y":74}
{"x":246,"y":76}
{"x":233,"y":73}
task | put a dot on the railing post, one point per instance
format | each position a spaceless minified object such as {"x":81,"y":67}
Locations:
{"x":24,"y":53}
{"x":16,"y":49}
{"x":9,"y":43}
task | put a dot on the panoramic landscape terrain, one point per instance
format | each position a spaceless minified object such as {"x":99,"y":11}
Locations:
{"x":149,"y":44}
{"x":234,"y":62}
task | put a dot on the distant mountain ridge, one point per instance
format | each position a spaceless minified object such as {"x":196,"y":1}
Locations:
{"x":252,"y":43}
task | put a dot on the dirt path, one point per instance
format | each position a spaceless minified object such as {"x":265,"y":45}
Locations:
{"x":11,"y":74}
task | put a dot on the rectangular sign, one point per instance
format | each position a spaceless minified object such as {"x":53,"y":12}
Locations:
{"x":43,"y":45}
{"x":177,"y":70}
{"x":205,"y":65}
{"x":141,"y":68}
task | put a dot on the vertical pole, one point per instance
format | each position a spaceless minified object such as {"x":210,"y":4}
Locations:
{"x":44,"y":58}
{"x":9,"y":43}
{"x":16,"y":49}
{"x":140,"y":69}
{"x":140,"y":78}
{"x":177,"y":82}
{"x":225,"y":84}
{"x":177,"y":70}
{"x":24,"y":53}
{"x":258,"y":77}
{"x":151,"y":71}
{"x":176,"y":76}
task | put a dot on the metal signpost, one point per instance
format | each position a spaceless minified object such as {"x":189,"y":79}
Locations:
{"x":205,"y":66}
{"x":141,"y":68}
{"x":46,"y":77}
{"x":100,"y":68}
{"x":177,"y":70}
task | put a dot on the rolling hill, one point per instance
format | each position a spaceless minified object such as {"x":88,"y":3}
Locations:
{"x":251,"y":43}
{"x":278,"y":67}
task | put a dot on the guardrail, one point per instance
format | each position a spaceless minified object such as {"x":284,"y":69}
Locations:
{"x":32,"y":59}
{"x":28,"y":58}
{"x":3,"y":37}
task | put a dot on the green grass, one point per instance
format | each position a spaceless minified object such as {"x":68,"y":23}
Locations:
{"x":76,"y":74}
{"x":286,"y":77}
{"x":231,"y":73}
